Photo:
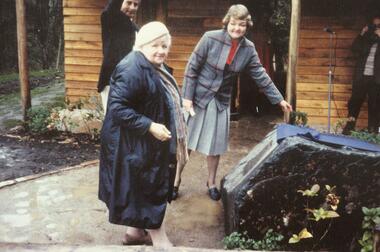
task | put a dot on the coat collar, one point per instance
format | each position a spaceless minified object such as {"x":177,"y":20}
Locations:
{"x":228,"y":40}
{"x":226,"y":46}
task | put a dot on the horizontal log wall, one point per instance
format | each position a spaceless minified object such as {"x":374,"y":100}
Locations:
{"x":187,"y":21}
{"x":313,"y":67}
{"x":83,"y":47}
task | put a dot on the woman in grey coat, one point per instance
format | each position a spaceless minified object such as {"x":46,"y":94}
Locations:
{"x":218,"y":58}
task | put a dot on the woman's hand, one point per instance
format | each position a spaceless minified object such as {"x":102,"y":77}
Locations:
{"x":187,"y":104}
{"x":160,"y":132}
{"x":286,"y":107}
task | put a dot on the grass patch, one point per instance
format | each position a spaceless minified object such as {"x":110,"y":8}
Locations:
{"x":11,"y":123}
{"x":12,"y":101}
{"x":9,"y":99}
{"x":33,"y":74}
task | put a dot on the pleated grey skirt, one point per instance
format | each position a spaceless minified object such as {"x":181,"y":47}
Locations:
{"x":208,"y":130}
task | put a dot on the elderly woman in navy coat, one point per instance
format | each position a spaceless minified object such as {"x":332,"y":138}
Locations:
{"x":142,"y":139}
{"x":215,"y":62}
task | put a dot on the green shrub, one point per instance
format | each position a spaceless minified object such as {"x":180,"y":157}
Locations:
{"x":371,"y":219}
{"x":366,"y":136}
{"x":298,"y":118}
{"x":235,"y":240}
{"x":38,"y":119}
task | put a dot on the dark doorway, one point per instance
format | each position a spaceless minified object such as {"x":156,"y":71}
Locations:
{"x":250,"y":99}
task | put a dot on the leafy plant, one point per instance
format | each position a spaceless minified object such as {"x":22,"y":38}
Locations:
{"x":321,"y":214}
{"x":339,"y":125}
{"x":326,"y":211}
{"x":304,"y":234}
{"x":235,"y":240}
{"x":312,"y":192}
{"x":370,"y":220}
{"x":366,"y":136}
{"x":39,"y":119}
{"x":279,"y":23}
{"x":298,"y":118}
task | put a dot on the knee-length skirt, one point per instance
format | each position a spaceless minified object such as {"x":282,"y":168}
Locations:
{"x":208,"y":130}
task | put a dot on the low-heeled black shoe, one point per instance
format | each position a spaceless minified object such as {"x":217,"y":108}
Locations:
{"x":175,"y":193}
{"x":350,"y":126}
{"x":214,"y":193}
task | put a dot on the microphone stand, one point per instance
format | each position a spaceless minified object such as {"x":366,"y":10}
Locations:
{"x":330,"y":80}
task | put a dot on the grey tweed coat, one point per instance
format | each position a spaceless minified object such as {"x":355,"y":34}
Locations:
{"x":204,"y":70}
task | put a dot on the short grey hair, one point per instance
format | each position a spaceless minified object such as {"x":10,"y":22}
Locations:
{"x":240,"y":12}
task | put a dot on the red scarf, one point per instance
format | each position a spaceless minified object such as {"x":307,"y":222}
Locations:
{"x":231,"y":55}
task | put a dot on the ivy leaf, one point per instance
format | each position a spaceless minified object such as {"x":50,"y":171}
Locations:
{"x":312,"y":192}
{"x":304,"y":234}
{"x":332,"y":214}
{"x":365,"y":210}
{"x":366,"y":236}
{"x":329,"y":188}
{"x":322,"y":214}
{"x":294,"y":239}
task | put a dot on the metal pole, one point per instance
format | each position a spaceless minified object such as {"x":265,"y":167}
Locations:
{"x":330,"y":84}
{"x":23,"y":58}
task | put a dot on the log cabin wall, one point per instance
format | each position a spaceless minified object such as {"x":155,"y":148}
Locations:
{"x":83,"y":47}
{"x":186,"y":20}
{"x":313,"y":60}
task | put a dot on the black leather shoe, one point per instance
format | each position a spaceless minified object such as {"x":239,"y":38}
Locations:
{"x":350,"y":126}
{"x":175,"y":193}
{"x":214,"y":193}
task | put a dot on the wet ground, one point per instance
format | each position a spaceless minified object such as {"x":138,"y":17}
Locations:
{"x":45,"y":90}
{"x":22,"y":155}
{"x":63,"y":208}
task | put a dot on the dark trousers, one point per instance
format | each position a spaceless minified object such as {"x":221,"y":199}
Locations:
{"x":362,"y":87}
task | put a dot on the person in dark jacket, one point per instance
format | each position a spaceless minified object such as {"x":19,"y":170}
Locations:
{"x":218,"y":58}
{"x":118,"y":37}
{"x":142,"y":139}
{"x":366,"y":78}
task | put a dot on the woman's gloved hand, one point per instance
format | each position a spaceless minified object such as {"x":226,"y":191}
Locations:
{"x":188,"y":105}
{"x":160,"y":132}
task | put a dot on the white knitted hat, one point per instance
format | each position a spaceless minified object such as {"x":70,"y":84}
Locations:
{"x":150,"y":32}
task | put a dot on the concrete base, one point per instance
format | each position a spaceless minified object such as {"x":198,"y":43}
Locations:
{"x":27,"y":247}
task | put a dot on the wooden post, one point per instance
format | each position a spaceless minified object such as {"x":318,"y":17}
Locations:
{"x":293,"y":54}
{"x":23,"y":58}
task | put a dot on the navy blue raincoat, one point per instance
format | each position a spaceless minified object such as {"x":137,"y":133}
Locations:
{"x":135,"y":180}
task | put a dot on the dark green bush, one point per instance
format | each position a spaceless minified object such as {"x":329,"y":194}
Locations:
{"x":366,"y":136}
{"x":298,"y":118}
{"x":38,"y":119}
{"x":271,"y":241}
